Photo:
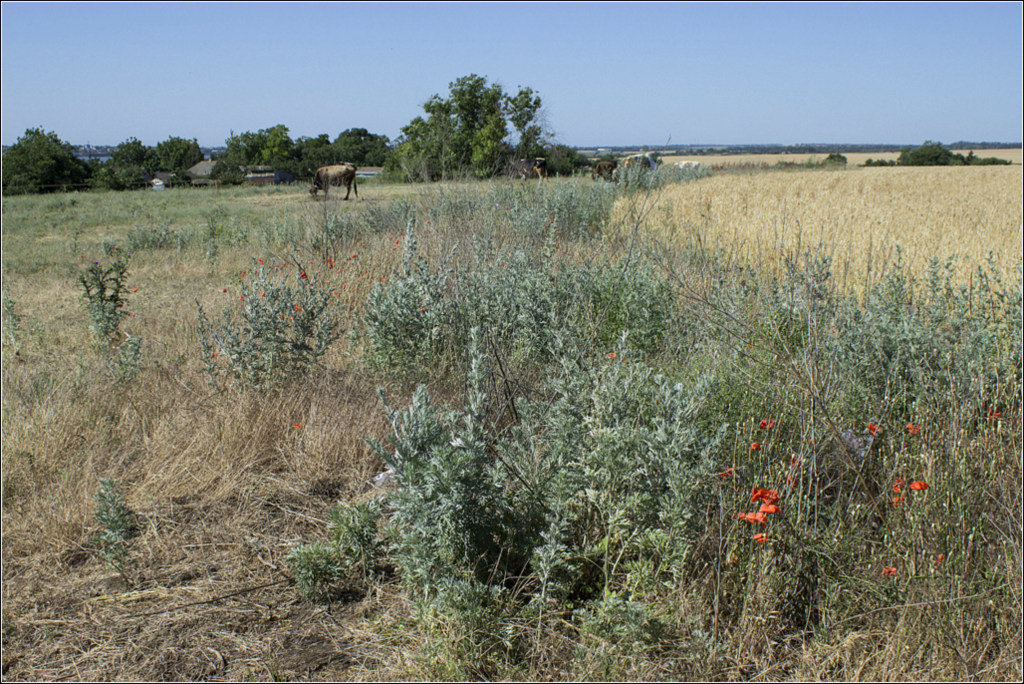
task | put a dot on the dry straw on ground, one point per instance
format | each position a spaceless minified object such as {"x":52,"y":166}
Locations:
{"x":859,"y":216}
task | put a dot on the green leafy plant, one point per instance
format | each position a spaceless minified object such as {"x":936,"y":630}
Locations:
{"x":316,"y":569}
{"x":105,"y":297}
{"x":282,"y":326}
{"x":118,"y":527}
{"x":354,"y":531}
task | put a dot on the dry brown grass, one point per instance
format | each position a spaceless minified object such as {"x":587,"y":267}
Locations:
{"x":859,"y":216}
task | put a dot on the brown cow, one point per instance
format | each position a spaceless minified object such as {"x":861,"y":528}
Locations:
{"x":338,"y":175}
{"x":604,"y":169}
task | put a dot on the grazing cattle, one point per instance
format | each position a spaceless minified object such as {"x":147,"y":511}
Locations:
{"x":338,"y":175}
{"x":605,"y":170}
{"x":644,"y":161}
{"x":528,"y":168}
{"x":688,"y":164}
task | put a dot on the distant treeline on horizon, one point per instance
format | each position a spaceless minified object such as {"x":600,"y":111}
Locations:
{"x":100,"y":151}
{"x":806,"y":148}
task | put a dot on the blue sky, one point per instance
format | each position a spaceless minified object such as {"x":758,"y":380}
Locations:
{"x":608,"y":73}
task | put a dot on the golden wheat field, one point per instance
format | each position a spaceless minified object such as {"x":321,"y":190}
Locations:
{"x":1015,"y":155}
{"x":860,"y":217}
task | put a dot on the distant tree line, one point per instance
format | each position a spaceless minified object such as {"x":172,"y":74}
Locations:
{"x":936,"y":154}
{"x":476,"y":131}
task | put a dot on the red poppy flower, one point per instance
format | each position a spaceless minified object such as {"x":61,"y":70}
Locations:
{"x":889,"y":571}
{"x":919,"y":486}
{"x":769,"y":509}
{"x":913,"y":429}
{"x":135,"y":289}
{"x":296,"y":426}
{"x":752,"y":518}
{"x":938,"y":559}
{"x":872,"y":428}
{"x":612,"y":355}
{"x":768,"y":496}
{"x":223,"y":289}
{"x":760,"y":538}
{"x":302,"y":275}
{"x":756,"y":446}
{"x":992,"y":414}
{"x":260,"y":260}
{"x":766,"y":424}
{"x":897,"y":500}
{"x":728,"y":472}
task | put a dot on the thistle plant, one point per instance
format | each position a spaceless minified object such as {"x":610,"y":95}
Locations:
{"x":105,"y":297}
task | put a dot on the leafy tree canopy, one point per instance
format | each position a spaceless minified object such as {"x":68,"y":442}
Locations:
{"x":41,"y":162}
{"x":362,"y":148}
{"x":467,"y":133}
{"x":177,"y":154}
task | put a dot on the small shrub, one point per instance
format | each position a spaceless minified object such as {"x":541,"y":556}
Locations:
{"x":156,"y":237}
{"x":316,"y":569}
{"x":118,"y":526}
{"x":11,"y":323}
{"x":282,"y":328}
{"x":528,"y":304}
{"x":125,"y":359}
{"x":354,"y":531}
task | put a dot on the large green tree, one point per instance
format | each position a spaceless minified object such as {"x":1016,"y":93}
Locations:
{"x":267,"y":146}
{"x":360,"y":147}
{"x":178,"y":154}
{"x":129,"y":163}
{"x":467,"y":133}
{"x":41,"y":162}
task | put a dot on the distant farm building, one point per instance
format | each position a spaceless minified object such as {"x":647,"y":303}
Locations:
{"x":200,"y":173}
{"x":267,"y":175}
{"x":201,"y":170}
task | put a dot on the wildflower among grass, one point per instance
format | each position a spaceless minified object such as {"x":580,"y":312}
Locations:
{"x":768,"y":496}
{"x":919,"y":486}
{"x":760,"y":538}
{"x":872,"y":429}
{"x":889,"y":571}
{"x":897,"y":500}
{"x":727,"y":473}
{"x":913,"y":429}
{"x":296,"y":426}
{"x":756,"y":446}
{"x":766,"y":424}
{"x":769,"y":509}
{"x":898,"y":486}
{"x":752,"y":518}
